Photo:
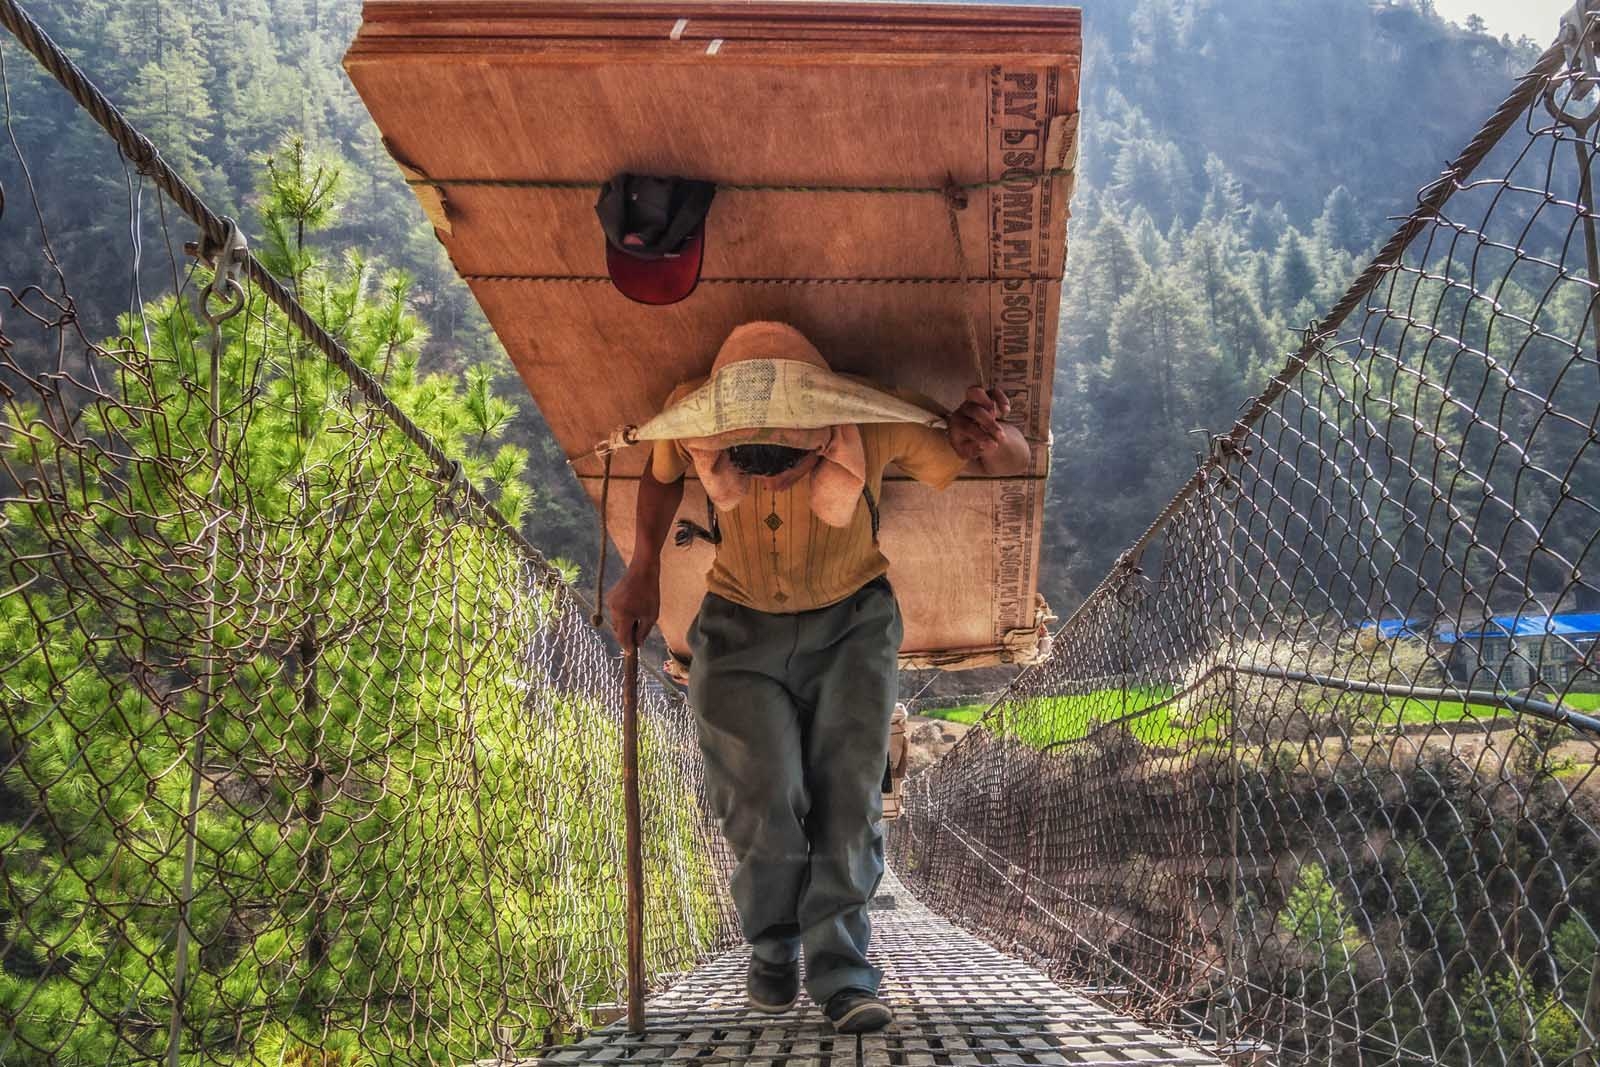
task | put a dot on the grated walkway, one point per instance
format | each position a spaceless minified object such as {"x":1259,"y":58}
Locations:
{"x":956,"y":1000}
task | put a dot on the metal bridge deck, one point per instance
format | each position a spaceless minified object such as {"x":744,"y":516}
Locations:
{"x":957,"y":1001}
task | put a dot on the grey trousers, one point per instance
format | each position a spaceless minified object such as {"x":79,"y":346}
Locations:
{"x":793,"y":714}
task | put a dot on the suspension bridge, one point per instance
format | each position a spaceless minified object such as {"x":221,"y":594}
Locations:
{"x":956,"y":1001}
{"x":310,"y":757}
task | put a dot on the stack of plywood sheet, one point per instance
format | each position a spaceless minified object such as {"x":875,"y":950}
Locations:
{"x":834,"y":131}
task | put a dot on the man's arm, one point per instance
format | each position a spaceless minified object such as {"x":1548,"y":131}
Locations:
{"x":977,"y":433}
{"x":636,"y":598}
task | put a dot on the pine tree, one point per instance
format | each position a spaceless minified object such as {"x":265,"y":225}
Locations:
{"x":1224,"y":203}
{"x":171,"y":100}
{"x":1159,"y":349}
{"x":1151,"y":174}
{"x":1204,"y":262}
{"x":1261,"y":278}
{"x":1293,"y":276}
{"x":1340,"y":225}
{"x":1245,"y":336}
{"x":1148,"y":239}
{"x":307,"y":888}
{"x":1102,"y":268}
{"x":1264,"y":226}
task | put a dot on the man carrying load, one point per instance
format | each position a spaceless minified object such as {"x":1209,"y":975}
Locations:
{"x":794,"y":671}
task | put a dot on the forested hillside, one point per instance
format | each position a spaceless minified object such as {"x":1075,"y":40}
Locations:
{"x":1239,"y":158}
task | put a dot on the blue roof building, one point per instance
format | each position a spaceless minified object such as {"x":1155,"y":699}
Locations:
{"x":1511,"y":651}
{"x":1565,"y":624}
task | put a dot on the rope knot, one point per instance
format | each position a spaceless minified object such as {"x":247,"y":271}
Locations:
{"x":146,"y":158}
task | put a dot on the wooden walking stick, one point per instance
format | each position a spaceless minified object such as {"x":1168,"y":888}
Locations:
{"x":632,"y":842}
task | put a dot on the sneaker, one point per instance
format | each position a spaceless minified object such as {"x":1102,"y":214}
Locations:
{"x":855,"y":1011}
{"x":772,"y":987}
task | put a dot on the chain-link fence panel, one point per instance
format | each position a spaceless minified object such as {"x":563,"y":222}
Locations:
{"x":1314,"y":774}
{"x":304,"y":757}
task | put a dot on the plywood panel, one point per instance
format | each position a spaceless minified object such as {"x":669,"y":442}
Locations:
{"x":540,"y":232}
{"x":917,"y":33}
{"x":674,"y":119}
{"x":832,"y":131}
{"x":907,"y":336}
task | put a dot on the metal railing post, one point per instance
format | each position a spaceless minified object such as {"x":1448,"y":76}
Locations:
{"x":633,"y":840}
{"x":225,"y":287}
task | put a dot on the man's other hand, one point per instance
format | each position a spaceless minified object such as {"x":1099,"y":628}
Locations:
{"x":975,"y":429}
{"x":635,"y":603}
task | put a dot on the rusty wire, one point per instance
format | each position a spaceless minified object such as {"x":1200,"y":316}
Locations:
{"x":303,"y":758}
{"x":1314,"y":775}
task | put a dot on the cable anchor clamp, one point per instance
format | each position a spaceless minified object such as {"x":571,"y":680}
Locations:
{"x":1127,"y":578}
{"x":1226,"y":452}
{"x":1581,"y":77}
{"x":223,"y":298}
{"x":452,"y":500}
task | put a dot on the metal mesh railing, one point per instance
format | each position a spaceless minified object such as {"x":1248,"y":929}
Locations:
{"x":1314,"y":775}
{"x":304,"y":756}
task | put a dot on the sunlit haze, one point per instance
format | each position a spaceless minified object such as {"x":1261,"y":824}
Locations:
{"x":1536,"y":18}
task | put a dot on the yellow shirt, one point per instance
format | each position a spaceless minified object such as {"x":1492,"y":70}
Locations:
{"x":777,"y":556}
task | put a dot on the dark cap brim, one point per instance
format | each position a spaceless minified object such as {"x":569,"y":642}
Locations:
{"x":663,"y":280}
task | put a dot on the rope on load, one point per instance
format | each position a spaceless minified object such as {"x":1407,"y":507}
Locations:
{"x":747,"y":187}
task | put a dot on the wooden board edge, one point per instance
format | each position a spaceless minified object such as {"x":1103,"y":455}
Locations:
{"x":965,"y":16}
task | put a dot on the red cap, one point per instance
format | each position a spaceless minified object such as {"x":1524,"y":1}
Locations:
{"x":662,"y":279}
{"x":655,"y":231}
